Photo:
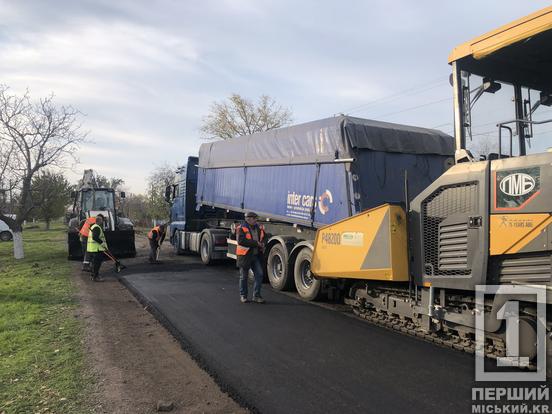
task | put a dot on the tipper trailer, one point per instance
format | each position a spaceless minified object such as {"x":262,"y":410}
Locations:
{"x":298,"y":179}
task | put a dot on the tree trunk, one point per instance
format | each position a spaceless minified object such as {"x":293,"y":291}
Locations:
{"x":47,"y":225}
{"x":18,"y":245}
{"x":17,"y":231}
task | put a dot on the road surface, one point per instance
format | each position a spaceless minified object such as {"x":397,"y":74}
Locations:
{"x":289,"y":356}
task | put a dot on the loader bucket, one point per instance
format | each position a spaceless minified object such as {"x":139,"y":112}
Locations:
{"x":120,"y":242}
{"x":74,"y":246}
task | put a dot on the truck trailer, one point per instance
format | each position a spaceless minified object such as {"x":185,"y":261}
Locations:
{"x":299,"y":179}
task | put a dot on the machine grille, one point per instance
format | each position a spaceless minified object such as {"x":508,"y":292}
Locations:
{"x":445,"y":247}
{"x":525,"y":268}
{"x":453,"y":248}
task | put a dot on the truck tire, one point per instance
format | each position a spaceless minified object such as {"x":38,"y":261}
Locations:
{"x":307,"y":286}
{"x":278,"y":269}
{"x":5,"y":236}
{"x":206,"y":249}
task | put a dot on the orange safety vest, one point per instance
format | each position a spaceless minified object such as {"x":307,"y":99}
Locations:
{"x":242,"y":250}
{"x":157,"y":229}
{"x":85,"y":229}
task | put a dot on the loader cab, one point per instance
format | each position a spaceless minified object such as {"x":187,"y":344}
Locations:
{"x":90,"y":202}
{"x":94,"y":199}
{"x":98,"y":199}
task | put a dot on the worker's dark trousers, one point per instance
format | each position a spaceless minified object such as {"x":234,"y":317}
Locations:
{"x":85,"y":254}
{"x":153,"y":250}
{"x":96,"y":259}
{"x":257,"y":267}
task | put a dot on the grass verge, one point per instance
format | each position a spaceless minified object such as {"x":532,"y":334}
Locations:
{"x":42,"y":366}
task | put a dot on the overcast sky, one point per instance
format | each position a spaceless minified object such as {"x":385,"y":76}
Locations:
{"x":145,"y":73}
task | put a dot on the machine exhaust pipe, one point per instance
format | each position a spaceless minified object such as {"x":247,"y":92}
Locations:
{"x":430,"y":305}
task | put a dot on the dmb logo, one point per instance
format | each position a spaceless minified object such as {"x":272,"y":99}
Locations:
{"x":517,"y":184}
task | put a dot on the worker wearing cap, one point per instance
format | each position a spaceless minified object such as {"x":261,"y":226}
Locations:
{"x":84,"y":232}
{"x":250,"y":237}
{"x":156,"y":237}
{"x":96,"y":247}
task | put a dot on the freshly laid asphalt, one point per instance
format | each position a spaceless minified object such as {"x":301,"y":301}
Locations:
{"x":289,"y":356}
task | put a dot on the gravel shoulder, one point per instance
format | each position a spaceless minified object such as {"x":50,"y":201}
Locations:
{"x":135,"y":361}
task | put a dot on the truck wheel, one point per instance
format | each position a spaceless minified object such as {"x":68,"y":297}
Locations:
{"x":307,"y":286}
{"x":277,"y":268}
{"x":206,"y":249}
{"x":5,"y":236}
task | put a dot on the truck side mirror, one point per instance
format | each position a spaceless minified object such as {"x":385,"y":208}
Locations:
{"x":168,"y":193}
{"x":123,"y":194}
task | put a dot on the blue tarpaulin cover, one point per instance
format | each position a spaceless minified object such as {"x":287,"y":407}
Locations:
{"x":290,"y":174}
{"x":321,"y":141}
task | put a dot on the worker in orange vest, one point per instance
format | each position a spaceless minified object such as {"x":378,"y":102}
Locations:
{"x":84,"y":232}
{"x":156,"y":237}
{"x":249,"y":252}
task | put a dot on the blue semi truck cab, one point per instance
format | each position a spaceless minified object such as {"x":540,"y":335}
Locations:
{"x":193,"y":229}
{"x":299,"y":179}
{"x":182,"y":197}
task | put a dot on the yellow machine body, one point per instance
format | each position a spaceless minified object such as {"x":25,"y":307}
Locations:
{"x":371,"y":245}
{"x":512,"y":233}
{"x":498,"y":39}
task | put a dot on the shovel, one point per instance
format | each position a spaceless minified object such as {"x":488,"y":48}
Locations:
{"x":118,"y":265}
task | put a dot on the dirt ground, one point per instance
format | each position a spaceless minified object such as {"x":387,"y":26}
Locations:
{"x":137,"y":363}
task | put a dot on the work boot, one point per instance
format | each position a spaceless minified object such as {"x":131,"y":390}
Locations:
{"x":258,"y":299}
{"x":99,"y":279}
{"x":243,"y":299}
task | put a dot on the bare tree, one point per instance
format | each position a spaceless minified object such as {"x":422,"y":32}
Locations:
{"x":7,"y":184}
{"x":113,"y":182}
{"x":38,"y":135}
{"x":240,"y":116}
{"x":136,"y":208}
